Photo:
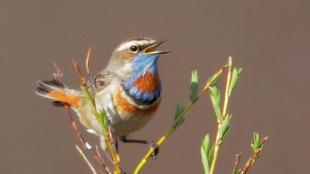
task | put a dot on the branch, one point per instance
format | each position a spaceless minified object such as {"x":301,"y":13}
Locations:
{"x":85,"y":144}
{"x":76,"y":130}
{"x":100,"y":116}
{"x":57,"y":75}
{"x":85,"y":159}
{"x":100,"y":160}
{"x":218,"y":139}
{"x":223,"y":117}
{"x":88,"y":56}
{"x":254,"y":157}
{"x":237,"y":161}
{"x":180,"y":116}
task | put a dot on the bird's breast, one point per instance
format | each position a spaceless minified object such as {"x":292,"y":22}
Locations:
{"x":144,"y":89}
{"x":128,"y":107}
{"x":130,"y":115}
{"x":147,"y":83}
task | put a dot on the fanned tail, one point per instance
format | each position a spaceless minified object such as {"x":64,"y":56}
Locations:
{"x":60,"y":94}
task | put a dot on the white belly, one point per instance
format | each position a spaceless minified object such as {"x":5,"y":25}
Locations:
{"x":121,"y":124}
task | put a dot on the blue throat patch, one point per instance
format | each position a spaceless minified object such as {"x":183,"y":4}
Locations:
{"x":141,"y":65}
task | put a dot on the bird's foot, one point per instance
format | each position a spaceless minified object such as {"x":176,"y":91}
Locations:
{"x":155,"y":151}
{"x":152,"y":144}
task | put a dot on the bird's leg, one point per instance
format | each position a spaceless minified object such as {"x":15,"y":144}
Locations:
{"x":156,"y":149}
{"x":116,"y":144}
{"x":125,"y":140}
{"x":153,"y":144}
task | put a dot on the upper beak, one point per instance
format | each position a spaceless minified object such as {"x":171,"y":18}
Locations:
{"x":152,"y":48}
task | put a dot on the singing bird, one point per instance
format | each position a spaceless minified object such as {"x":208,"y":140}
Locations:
{"x":128,"y":89}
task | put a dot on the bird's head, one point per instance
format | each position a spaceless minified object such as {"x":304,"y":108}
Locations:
{"x":136,"y":56}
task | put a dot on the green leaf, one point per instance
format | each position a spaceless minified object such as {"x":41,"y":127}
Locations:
{"x":256,"y":144}
{"x":216,"y":101}
{"x":214,"y":79}
{"x":238,"y":171}
{"x":234,"y":79}
{"x":224,"y":128}
{"x":194,"y":85}
{"x":88,"y":97}
{"x":86,"y":94}
{"x":179,"y":117}
{"x":104,"y":119}
{"x":206,"y":153}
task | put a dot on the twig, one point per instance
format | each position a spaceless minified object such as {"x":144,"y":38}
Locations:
{"x":79,"y":73}
{"x":85,"y":159}
{"x":218,"y":142}
{"x":100,"y":160}
{"x":57,"y":75}
{"x":162,"y":139}
{"x":84,"y":143}
{"x":96,"y":154}
{"x":88,"y":56}
{"x":105,"y":131}
{"x":237,"y":161}
{"x":253,"y":158}
{"x":76,"y":130}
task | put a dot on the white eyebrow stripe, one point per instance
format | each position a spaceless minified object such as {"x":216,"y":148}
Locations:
{"x":126,"y":45}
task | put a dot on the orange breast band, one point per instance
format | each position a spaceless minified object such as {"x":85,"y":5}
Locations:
{"x":128,"y":108}
{"x":148,"y":83}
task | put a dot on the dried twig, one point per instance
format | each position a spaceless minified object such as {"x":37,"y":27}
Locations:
{"x":85,"y":144}
{"x":88,"y":56}
{"x":79,"y":73}
{"x":99,"y":158}
{"x":237,"y":161}
{"x":254,"y":157}
{"x":57,"y":75}
{"x":76,"y":130}
{"x":105,"y":132}
{"x":85,"y":159}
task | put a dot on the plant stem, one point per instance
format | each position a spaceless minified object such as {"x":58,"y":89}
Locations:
{"x":237,"y":161}
{"x":216,"y":150}
{"x":226,"y":98}
{"x":111,"y":150}
{"x":162,"y":139}
{"x":253,"y":158}
{"x":86,"y":160}
{"x":105,"y":131}
{"x":149,"y":153}
{"x":218,"y":141}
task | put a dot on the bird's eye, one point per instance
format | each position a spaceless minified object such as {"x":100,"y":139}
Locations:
{"x":134,"y":48}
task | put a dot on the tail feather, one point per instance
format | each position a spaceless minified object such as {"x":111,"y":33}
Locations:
{"x":45,"y":87}
{"x":56,"y":91}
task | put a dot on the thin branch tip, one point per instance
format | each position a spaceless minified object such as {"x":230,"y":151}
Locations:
{"x":57,"y":75}
{"x":89,"y":55}
{"x":91,"y":167}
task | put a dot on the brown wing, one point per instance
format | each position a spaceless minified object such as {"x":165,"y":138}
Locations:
{"x":99,"y":81}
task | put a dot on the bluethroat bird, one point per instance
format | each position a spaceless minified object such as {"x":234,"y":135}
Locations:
{"x":128,"y":89}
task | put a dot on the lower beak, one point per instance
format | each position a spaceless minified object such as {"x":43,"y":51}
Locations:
{"x":152,"y":48}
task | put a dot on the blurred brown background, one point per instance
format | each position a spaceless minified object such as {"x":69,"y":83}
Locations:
{"x":269,"y":39}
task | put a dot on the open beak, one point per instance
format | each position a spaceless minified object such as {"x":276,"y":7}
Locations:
{"x":152,"y":48}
